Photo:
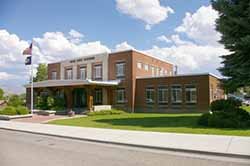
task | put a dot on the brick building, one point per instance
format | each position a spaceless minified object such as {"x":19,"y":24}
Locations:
{"x":129,"y":80}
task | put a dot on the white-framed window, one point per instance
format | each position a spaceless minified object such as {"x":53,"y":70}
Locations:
{"x":157,"y":71}
{"x":139,"y":65}
{"x":165,"y":72}
{"x":176,"y":94}
{"x":150,"y":95}
{"x":83,"y":73}
{"x":161,"y":72}
{"x":191,"y":94}
{"x":162,"y":95}
{"x":120,"y":69}
{"x":53,"y":75}
{"x":120,"y":95}
{"x":152,"y":70}
{"x":98,"y":71}
{"x":69,"y":74}
{"x":98,"y":96}
{"x":146,"y":67}
{"x":170,"y":73}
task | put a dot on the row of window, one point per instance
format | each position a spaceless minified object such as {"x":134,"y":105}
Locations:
{"x":155,"y":71}
{"x":175,"y":94}
{"x":82,"y":73}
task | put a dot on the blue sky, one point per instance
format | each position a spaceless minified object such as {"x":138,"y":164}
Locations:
{"x":176,"y":30}
{"x":96,"y":19}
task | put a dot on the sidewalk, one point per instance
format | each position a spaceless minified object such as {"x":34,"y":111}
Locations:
{"x":224,"y":145}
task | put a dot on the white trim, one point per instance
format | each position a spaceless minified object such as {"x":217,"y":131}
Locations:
{"x":55,"y":83}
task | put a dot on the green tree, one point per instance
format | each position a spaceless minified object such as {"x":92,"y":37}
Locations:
{"x":42,"y":73}
{"x":234,"y":25}
{"x":15,"y":101}
{"x":1,"y":94}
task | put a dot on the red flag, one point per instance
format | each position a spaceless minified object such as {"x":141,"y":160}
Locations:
{"x":28,"y":51}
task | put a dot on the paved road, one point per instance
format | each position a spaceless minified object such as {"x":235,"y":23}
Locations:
{"x":24,"y":149}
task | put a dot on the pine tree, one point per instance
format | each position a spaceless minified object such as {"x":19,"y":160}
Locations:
{"x":234,"y":25}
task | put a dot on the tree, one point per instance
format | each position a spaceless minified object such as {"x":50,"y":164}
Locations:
{"x":15,"y":101}
{"x":234,"y":25}
{"x":42,"y":73}
{"x":1,"y":94}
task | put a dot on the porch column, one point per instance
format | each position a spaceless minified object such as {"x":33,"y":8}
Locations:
{"x":90,"y":99}
{"x":69,"y":97}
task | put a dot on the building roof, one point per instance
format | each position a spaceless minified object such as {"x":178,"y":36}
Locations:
{"x":182,"y":75}
{"x":56,"y":83}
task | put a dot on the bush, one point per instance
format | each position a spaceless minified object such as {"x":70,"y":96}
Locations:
{"x":105,"y":112}
{"x":236,"y":118}
{"x":50,"y":102}
{"x":225,"y":105}
{"x":21,"y":110}
{"x":15,"y":101}
{"x":8,"y":111}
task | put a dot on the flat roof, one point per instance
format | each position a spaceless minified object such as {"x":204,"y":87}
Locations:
{"x":56,"y":83}
{"x":182,"y":75}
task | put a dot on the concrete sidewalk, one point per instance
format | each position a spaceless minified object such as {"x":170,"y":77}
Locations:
{"x":211,"y":144}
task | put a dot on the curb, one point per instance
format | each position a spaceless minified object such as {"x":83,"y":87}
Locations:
{"x":137,"y":145}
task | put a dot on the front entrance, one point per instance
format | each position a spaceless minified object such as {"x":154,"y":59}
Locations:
{"x":79,"y":98}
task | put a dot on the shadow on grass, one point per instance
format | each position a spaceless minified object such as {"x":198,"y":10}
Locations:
{"x":180,"y":121}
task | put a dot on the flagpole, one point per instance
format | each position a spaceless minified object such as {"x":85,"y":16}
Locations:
{"x":31,"y":100}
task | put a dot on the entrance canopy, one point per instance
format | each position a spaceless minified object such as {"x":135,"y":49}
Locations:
{"x":57,"y":83}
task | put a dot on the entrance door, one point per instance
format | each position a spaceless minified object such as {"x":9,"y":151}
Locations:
{"x":80,"y":98}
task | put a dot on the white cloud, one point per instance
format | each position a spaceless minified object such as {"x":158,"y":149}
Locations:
{"x":51,"y":47}
{"x":163,"y":38}
{"x":149,"y":11}
{"x":75,"y":36}
{"x":200,"y":26}
{"x":123,"y":46}
{"x":191,"y":58}
{"x":6,"y":76}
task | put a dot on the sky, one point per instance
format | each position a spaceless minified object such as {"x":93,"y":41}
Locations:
{"x":182,"y":32}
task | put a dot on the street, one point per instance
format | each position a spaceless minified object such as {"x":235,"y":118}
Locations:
{"x":25,"y":149}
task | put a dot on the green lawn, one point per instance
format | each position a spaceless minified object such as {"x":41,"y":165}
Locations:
{"x":247,"y":108}
{"x":178,"y":123}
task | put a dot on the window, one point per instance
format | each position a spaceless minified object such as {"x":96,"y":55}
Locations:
{"x":98,"y":96}
{"x":165,"y":72}
{"x":139,"y":65}
{"x":191,"y":95}
{"x":120,"y":69}
{"x":120,"y":95}
{"x":98,"y":71}
{"x":69,"y":74}
{"x":157,"y":71}
{"x":176,"y":94}
{"x":150,"y":95}
{"x":162,"y":95}
{"x":153,"y":70}
{"x":83,"y":73}
{"x":53,"y":75}
{"x":161,"y":72}
{"x":146,"y":67}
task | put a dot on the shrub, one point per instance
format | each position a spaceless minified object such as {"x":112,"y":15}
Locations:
{"x":50,"y":102}
{"x":225,"y":105}
{"x":15,"y":101}
{"x":21,"y":110}
{"x":236,"y":118}
{"x":8,"y":111}
{"x":105,"y":112}
{"x":203,"y":120}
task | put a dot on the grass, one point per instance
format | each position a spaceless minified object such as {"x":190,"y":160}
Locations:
{"x":177,"y":123}
{"x":247,"y":108}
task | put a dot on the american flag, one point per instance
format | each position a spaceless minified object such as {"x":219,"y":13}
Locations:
{"x":28,"y":51}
